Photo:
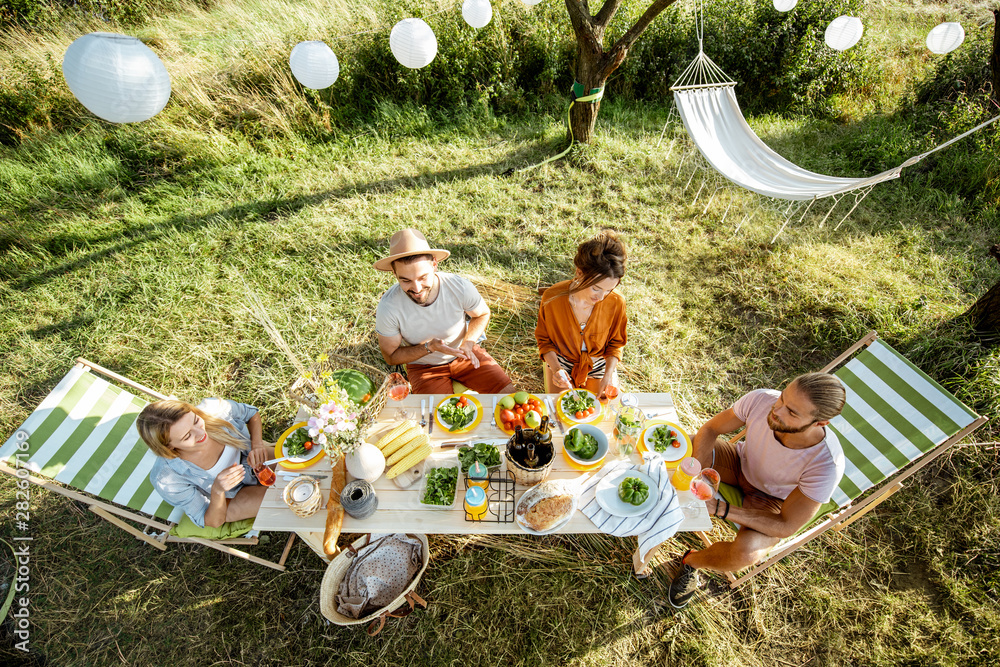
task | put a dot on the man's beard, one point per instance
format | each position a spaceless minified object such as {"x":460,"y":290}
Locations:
{"x":422,"y":301}
{"x":778,"y":426}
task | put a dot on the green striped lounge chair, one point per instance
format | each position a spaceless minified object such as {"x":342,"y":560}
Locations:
{"x":896,"y":421}
{"x":81,"y":442}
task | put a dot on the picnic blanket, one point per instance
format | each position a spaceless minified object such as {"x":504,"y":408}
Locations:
{"x":658,"y":525}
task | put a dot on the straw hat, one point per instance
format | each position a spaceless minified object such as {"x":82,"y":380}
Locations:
{"x":406,"y":243}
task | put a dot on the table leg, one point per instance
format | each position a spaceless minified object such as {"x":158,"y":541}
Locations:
{"x":315,"y":542}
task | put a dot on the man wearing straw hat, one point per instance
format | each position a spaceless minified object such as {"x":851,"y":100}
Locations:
{"x":432,"y":322}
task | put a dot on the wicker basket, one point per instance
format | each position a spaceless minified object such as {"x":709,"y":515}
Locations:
{"x":335,"y":573}
{"x":302,"y":391}
{"x":309,"y":506}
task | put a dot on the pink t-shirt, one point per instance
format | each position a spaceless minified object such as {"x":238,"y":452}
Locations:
{"x":777,"y":470}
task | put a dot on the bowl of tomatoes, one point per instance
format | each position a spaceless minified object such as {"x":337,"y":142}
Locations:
{"x":513,"y":411}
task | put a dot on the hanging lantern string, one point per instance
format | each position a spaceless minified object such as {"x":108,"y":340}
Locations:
{"x":382,"y":28}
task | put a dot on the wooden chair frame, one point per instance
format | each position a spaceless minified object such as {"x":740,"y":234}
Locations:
{"x":854,"y":510}
{"x":121,"y":516}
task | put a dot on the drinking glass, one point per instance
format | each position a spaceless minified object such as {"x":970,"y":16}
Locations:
{"x":399,"y":389}
{"x":629,"y":421}
{"x":704,"y":487}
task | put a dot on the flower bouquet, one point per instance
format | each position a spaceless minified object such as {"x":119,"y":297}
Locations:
{"x":338,"y":424}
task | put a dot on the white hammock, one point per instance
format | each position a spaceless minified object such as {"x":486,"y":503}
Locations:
{"x":706,"y":101}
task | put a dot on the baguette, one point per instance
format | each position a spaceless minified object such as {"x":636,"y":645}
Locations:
{"x":334,"y":510}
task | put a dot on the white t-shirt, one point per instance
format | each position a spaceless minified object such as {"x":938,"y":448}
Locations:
{"x":398,"y":315}
{"x":777,"y":470}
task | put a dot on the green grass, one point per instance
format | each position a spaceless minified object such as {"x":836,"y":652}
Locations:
{"x":136,"y":246}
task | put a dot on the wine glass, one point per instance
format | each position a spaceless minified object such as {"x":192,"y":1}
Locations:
{"x":704,"y":486}
{"x":399,"y":389}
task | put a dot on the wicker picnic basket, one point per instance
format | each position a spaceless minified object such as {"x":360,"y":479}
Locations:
{"x":335,"y":572}
{"x":303,"y":392}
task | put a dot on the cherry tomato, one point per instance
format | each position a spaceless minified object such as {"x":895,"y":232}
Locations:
{"x":307,"y":444}
{"x":673,"y":434}
{"x":507,"y":416}
{"x":580,"y":414}
{"x":463,"y":401}
{"x":676,"y":443}
{"x":507,"y":426}
{"x":519,"y":411}
{"x":590,"y":410}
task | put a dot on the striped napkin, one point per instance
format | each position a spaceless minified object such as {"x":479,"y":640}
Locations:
{"x":658,"y":525}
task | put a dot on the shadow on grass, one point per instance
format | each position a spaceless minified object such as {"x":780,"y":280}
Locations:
{"x":265,"y":210}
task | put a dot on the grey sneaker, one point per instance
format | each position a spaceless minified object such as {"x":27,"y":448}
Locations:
{"x":684,"y":585}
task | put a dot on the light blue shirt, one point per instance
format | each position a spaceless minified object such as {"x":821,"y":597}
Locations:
{"x":185,"y":485}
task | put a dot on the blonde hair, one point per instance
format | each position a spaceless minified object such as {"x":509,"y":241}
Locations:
{"x":825,"y":392}
{"x":156,"y":419}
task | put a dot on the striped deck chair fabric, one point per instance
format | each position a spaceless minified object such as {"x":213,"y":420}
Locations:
{"x":895,"y":421}
{"x":894,"y":415}
{"x":83,"y":435}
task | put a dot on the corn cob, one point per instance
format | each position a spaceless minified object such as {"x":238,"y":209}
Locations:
{"x":401,"y":428}
{"x":401,"y":442}
{"x":414,"y":457}
{"x":413,"y":445}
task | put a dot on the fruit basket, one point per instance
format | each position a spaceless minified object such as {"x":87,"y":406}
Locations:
{"x":346,"y":371}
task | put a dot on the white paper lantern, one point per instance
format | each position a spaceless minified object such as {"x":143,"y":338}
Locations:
{"x":413,"y":43}
{"x":477,"y":13}
{"x":117,"y":77}
{"x":785,"y":5}
{"x":314,"y":65}
{"x":945,"y":38}
{"x":531,"y":2}
{"x":843,"y":32}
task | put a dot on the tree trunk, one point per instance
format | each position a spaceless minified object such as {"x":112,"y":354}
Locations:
{"x":583,"y":116}
{"x":985,"y":312}
{"x":995,"y":56}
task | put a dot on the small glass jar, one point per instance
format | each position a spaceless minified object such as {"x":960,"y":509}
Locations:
{"x":478,"y":475}
{"x":475,"y":503}
{"x":685,"y":473}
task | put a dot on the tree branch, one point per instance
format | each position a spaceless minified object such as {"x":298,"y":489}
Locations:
{"x":579,"y":15}
{"x":607,"y":12}
{"x":616,"y":56}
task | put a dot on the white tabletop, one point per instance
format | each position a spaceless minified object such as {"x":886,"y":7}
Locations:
{"x":399,"y":509}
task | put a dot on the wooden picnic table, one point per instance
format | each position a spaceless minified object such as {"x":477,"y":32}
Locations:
{"x":399,"y":510}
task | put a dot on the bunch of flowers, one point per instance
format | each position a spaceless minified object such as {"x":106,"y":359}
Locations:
{"x":338,"y":425}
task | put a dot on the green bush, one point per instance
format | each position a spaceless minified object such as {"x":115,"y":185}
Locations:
{"x":38,"y":13}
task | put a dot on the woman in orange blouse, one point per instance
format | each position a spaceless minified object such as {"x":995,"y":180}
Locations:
{"x":581,"y":322}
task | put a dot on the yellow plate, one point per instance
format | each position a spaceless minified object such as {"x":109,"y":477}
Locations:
{"x":674,"y":458}
{"x":279,"y":450}
{"x":542,"y":410}
{"x":475,"y":422}
{"x":570,"y":419}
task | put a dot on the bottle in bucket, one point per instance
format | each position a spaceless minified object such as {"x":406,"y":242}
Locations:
{"x":475,"y":503}
{"x":685,"y":473}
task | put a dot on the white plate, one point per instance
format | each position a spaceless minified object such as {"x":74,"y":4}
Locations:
{"x":465,"y":429}
{"x":672,"y":453}
{"x":554,"y":528}
{"x":607,"y":494}
{"x":308,"y":456}
{"x":598,"y":412}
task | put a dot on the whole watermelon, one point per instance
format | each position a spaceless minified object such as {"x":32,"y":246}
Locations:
{"x":357,"y":385}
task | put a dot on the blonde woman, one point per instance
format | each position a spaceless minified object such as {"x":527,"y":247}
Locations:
{"x":582,"y":322}
{"x":206,"y":455}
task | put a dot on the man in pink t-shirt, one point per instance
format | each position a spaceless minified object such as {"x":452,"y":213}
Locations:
{"x":787,"y":466}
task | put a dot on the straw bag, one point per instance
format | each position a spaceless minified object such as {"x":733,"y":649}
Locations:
{"x":336,"y":571}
